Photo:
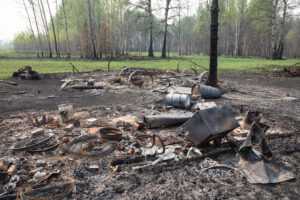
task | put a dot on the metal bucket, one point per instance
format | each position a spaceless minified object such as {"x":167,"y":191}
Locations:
{"x":178,"y":100}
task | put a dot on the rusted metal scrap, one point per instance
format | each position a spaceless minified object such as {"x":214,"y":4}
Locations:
{"x":209,"y":124}
{"x":110,"y":133}
{"x":293,"y":71}
{"x":260,"y":167}
{"x":35,"y":191}
{"x":154,"y":136}
{"x":166,"y":119}
{"x":27,"y":73}
{"x":91,"y":146}
{"x":250,"y":117}
{"x":40,"y":144}
{"x":140,"y":82}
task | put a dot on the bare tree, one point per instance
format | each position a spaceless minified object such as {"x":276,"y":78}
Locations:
{"x":66,"y":29}
{"x":164,"y":48}
{"x":179,"y":27}
{"x":45,"y":23}
{"x":29,"y":20}
{"x":57,"y":28}
{"x":37,"y":26}
{"x":273,"y":24}
{"x":53,"y":29}
{"x":146,"y":5}
{"x":213,"y":65}
{"x":280,"y":45}
{"x":91,"y":30}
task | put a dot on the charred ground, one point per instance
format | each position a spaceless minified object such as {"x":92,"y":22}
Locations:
{"x":278,"y":99}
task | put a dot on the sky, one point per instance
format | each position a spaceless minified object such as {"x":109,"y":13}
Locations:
{"x":13,"y":18}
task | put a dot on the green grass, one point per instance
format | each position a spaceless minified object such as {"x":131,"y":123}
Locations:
{"x":10,"y":65}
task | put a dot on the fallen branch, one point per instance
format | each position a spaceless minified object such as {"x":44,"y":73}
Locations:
{"x":74,"y":68}
{"x":9,"y":82}
{"x":295,"y":64}
{"x":86,"y":87}
{"x":108,"y":65}
{"x":197,"y":64}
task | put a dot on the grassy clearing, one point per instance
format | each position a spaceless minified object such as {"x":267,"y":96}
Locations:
{"x":8,"y":66}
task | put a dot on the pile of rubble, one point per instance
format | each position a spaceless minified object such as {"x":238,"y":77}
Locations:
{"x":43,"y":149}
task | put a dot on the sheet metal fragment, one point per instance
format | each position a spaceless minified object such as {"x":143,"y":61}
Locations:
{"x":209,"y":124}
{"x":260,"y":167}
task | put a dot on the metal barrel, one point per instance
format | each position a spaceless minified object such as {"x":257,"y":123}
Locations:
{"x":178,"y":100}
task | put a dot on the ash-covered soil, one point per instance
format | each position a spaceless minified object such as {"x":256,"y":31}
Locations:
{"x":278,"y":99}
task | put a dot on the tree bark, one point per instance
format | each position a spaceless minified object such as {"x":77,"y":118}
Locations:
{"x":164,"y":48}
{"x":37,"y":27}
{"x":35,"y":42}
{"x":213,"y":65}
{"x":280,"y":46}
{"x":91,"y":31}
{"x":53,"y":29}
{"x":149,"y":9}
{"x":66,"y":29}
{"x":57,"y":28}
{"x":45,"y":23}
{"x":273,"y":24}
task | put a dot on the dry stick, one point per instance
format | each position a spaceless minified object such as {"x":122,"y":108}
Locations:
{"x":108,"y":66}
{"x":197,"y":64}
{"x":295,"y":64}
{"x":73,"y":67}
{"x":9,"y":82}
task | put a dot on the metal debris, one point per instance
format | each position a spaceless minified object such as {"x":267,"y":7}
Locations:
{"x":178,"y":100}
{"x":260,"y":167}
{"x":110,"y":133}
{"x":194,"y":152}
{"x":166,"y":119}
{"x":208,"y":92}
{"x":209,"y":124}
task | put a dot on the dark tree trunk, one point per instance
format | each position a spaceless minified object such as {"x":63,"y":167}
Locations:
{"x":150,"y":51}
{"x":164,"y":48}
{"x":279,"y":51}
{"x":213,"y":65}
{"x":91,"y":31}
{"x":53,"y":29}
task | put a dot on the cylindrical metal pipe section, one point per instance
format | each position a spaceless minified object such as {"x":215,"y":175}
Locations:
{"x":178,"y":100}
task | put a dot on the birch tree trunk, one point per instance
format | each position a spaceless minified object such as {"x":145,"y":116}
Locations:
{"x":66,"y":30}
{"x":35,"y":42}
{"x":37,"y":27}
{"x":45,"y":23}
{"x":91,"y":30}
{"x":57,"y":28}
{"x":179,"y":28}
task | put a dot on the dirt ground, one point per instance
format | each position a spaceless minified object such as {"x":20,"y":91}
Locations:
{"x":278,"y":99}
